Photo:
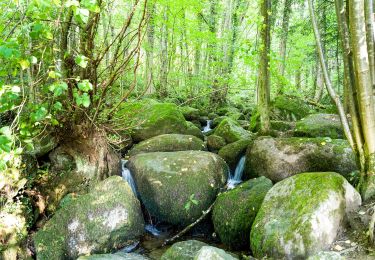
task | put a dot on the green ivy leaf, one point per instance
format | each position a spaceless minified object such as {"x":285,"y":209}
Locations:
{"x":81,"y":61}
{"x":81,"y":15}
{"x":58,"y":88}
{"x":39,"y":114}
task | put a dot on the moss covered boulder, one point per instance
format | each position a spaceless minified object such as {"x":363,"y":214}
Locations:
{"x":177,"y":186}
{"x":215,"y":143}
{"x":213,"y":253}
{"x":190,"y":113}
{"x":235,"y":211}
{"x":231,"y":131}
{"x":192,"y":129}
{"x":289,"y":108}
{"x":320,"y":125}
{"x":149,"y":118}
{"x":280,"y":158}
{"x":107,"y":217}
{"x":302,"y":215}
{"x":232,"y":153}
{"x":168,"y":143}
{"x":185,"y":250}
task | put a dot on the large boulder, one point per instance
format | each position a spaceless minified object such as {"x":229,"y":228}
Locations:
{"x":107,"y":217}
{"x":289,"y":108}
{"x":149,"y":118}
{"x":168,"y":143}
{"x":280,"y":158}
{"x":320,"y":125}
{"x":235,"y":211}
{"x":213,"y":253}
{"x":231,"y":131}
{"x":302,"y":215}
{"x":192,"y":129}
{"x":177,"y":186}
{"x":185,"y":250}
{"x":232,"y":153}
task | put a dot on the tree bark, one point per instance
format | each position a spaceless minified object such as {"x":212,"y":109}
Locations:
{"x":264,"y":73}
{"x":284,"y":40}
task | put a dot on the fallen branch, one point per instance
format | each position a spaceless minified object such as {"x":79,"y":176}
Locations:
{"x":186,"y":229}
{"x":316,"y":104}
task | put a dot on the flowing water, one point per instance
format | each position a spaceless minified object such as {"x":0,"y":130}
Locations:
{"x":236,"y":178}
{"x":127,"y":176}
{"x":207,"y":128}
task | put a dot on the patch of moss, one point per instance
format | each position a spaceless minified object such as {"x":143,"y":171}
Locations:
{"x":232,"y":153}
{"x":185,"y":250}
{"x":320,"y":125}
{"x":235,"y":211}
{"x":231,"y":131}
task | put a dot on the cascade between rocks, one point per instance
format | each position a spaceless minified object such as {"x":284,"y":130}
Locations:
{"x":207,"y":128}
{"x":236,"y":178}
{"x":127,"y":176}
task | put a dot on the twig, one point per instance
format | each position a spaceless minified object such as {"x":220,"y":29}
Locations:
{"x":185,"y":230}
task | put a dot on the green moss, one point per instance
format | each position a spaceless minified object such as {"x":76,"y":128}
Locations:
{"x":185,"y":250}
{"x":168,"y":143}
{"x":320,"y":125}
{"x":215,"y":143}
{"x":190,"y":113}
{"x":232,"y":153}
{"x":235,"y":211}
{"x":149,"y":118}
{"x":297,"y":198}
{"x":231,"y":131}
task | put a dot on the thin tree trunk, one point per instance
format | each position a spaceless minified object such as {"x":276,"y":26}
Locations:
{"x":284,"y":40}
{"x":264,"y":73}
{"x":150,"y":50}
{"x":327,"y":80}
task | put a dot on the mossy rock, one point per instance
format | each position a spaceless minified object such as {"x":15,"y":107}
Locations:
{"x":215,"y":143}
{"x":190,"y":113}
{"x":231,"y":131}
{"x":168,"y":143}
{"x":106,"y":218}
{"x":227,"y":110}
{"x":214,"y":253}
{"x":116,"y":256}
{"x":280,"y":158}
{"x":236,"y":115}
{"x":192,"y":129}
{"x":326,"y":255}
{"x":232,"y":153}
{"x":212,"y":116}
{"x":289,"y":108}
{"x":282,"y":125}
{"x":43,"y":145}
{"x":235,"y":211}
{"x":320,"y":125}
{"x":149,"y":118}
{"x":217,"y":120}
{"x":185,"y":250}
{"x":177,"y":186}
{"x":302,"y":215}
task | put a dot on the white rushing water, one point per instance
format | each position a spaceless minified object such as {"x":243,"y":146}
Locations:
{"x":236,"y":178}
{"x":127,"y":176}
{"x":207,"y":128}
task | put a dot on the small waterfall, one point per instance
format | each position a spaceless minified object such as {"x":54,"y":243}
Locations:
{"x":127,"y":176}
{"x":237,"y":177}
{"x":207,"y":128}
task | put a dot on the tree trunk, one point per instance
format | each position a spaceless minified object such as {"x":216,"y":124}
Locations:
{"x":264,"y":73}
{"x":164,"y":56}
{"x":150,"y":50}
{"x":364,"y":87}
{"x":284,"y":40}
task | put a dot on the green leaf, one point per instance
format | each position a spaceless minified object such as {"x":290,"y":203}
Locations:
{"x":194,"y":202}
{"x":39,"y":114}
{"x":81,"y":61}
{"x":91,"y":5}
{"x":33,"y":60}
{"x":53,"y":74}
{"x":70,"y":3}
{"x":187,"y":205}
{"x":85,"y":85}
{"x":57,"y":106}
{"x":83,"y":99}
{"x":81,"y":15}
{"x":58,"y":88}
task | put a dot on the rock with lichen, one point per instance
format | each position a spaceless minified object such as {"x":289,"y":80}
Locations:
{"x":177,"y":186}
{"x":107,"y":217}
{"x":302,"y":215}
{"x":280,"y":158}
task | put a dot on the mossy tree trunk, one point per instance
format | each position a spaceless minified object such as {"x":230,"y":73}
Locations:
{"x":264,"y":72}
